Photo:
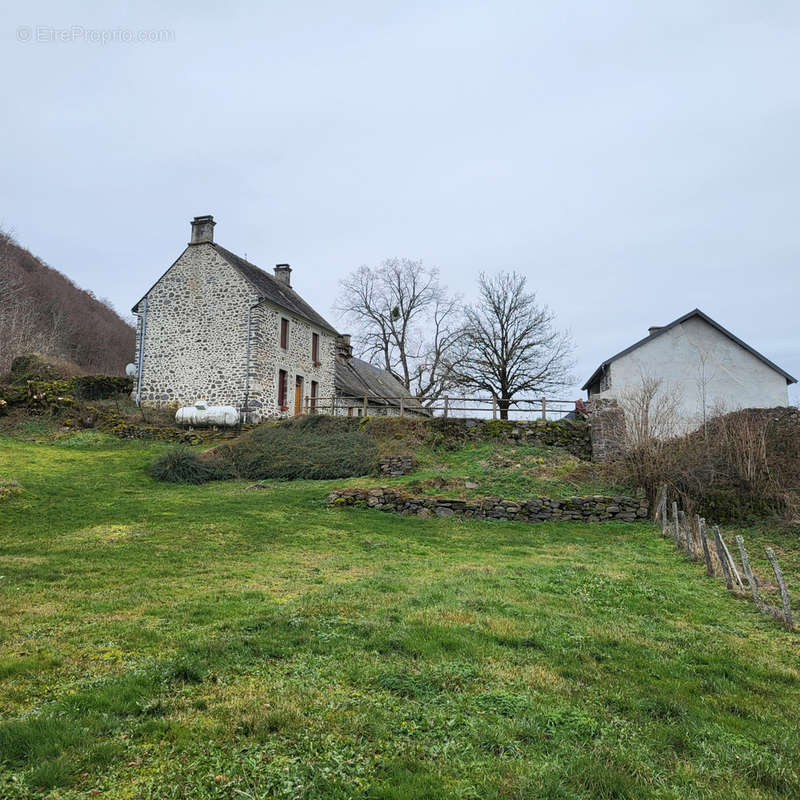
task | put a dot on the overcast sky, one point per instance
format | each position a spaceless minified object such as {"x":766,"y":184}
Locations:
{"x":634,"y":159}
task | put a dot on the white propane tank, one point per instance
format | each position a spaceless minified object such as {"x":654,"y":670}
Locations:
{"x":202,"y":414}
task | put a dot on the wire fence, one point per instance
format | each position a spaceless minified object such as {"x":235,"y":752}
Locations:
{"x":692,"y":538}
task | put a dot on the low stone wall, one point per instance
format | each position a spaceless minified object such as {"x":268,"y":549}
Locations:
{"x":572,"y":435}
{"x":596,"y":508}
{"x":396,"y":465}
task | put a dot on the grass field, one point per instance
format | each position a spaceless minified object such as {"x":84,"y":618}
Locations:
{"x":162,"y":641}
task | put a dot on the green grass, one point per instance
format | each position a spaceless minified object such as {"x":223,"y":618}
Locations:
{"x":164,"y":641}
{"x":496,"y":469}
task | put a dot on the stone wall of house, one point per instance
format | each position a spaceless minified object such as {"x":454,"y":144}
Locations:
{"x":198,"y":319}
{"x":196,"y":332}
{"x":296,"y":360}
{"x":537,"y":509}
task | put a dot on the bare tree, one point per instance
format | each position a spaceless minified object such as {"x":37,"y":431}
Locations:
{"x":405,"y":320}
{"x":509,"y":344}
{"x":652,"y":412}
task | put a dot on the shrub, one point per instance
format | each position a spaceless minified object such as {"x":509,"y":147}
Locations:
{"x":101,"y":387}
{"x":181,"y":465}
{"x":305,"y":449}
{"x":740,"y":467}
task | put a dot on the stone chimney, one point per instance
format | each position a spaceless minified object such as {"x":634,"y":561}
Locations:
{"x":344,"y":350}
{"x":654,"y":329}
{"x":203,"y":229}
{"x":283,"y":273}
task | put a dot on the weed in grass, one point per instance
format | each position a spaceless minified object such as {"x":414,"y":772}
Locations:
{"x":51,"y":773}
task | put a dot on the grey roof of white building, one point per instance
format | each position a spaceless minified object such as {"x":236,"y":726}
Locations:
{"x":694,"y":313}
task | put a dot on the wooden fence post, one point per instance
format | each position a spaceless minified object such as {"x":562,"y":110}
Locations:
{"x":735,"y":572}
{"x":366,"y":407}
{"x":676,"y":530}
{"x":494,"y":407}
{"x":446,"y":405}
{"x":701,"y":527}
{"x":776,"y":568}
{"x":544,"y":409}
{"x":662,"y":509}
{"x":687,"y":534}
{"x":723,"y":560}
{"x":748,"y":573}
{"x":401,"y":407}
{"x":308,"y":404}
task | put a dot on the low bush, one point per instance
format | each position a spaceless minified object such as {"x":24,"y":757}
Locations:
{"x":311,"y":448}
{"x":741,"y":467}
{"x":303,"y":450}
{"x":181,"y":465}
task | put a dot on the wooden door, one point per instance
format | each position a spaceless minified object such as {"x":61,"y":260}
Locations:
{"x":298,"y":396}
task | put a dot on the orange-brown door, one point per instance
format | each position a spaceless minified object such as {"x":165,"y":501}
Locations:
{"x":298,"y":396}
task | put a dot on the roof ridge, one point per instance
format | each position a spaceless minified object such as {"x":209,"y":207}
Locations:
{"x":696,"y":312}
{"x":272,"y":289}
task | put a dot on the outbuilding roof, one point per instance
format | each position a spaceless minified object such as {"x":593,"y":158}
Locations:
{"x":357,"y":378}
{"x":662,"y":330}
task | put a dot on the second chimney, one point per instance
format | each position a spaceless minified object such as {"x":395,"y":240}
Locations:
{"x":283,"y":273}
{"x":203,"y":229}
{"x":344,"y":350}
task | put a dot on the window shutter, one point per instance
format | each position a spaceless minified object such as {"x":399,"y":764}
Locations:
{"x":281,"y":388}
{"x":284,"y":333}
{"x":315,"y":348}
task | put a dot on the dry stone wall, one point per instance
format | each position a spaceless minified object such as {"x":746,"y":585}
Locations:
{"x":397,"y":465}
{"x":572,"y":435}
{"x":606,"y":429}
{"x":596,"y":508}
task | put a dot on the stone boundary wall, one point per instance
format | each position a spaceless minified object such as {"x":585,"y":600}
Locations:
{"x":572,"y":435}
{"x":597,"y":508}
{"x":606,"y":429}
{"x":397,"y":465}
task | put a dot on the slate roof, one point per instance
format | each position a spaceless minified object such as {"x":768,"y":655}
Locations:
{"x":274,"y":290}
{"x":357,"y":378}
{"x":695,"y":313}
{"x":268,"y":287}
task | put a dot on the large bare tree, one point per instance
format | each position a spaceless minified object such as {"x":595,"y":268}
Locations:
{"x":509,"y":344}
{"x":405,"y":320}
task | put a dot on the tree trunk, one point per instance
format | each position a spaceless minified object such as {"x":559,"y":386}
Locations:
{"x":503,"y":406}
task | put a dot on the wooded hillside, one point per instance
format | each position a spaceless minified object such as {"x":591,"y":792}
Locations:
{"x":42,"y":311}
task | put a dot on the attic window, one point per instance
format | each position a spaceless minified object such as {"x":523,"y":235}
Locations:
{"x":284,"y":333}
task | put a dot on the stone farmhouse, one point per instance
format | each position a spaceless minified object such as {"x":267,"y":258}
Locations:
{"x":216,"y":327}
{"x":703,"y":366}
